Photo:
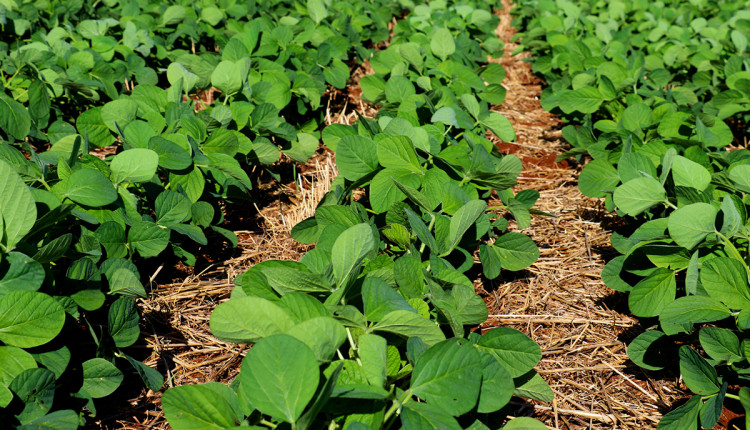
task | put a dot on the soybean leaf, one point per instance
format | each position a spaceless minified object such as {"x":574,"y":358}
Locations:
{"x":350,"y":248}
{"x":449,"y":374}
{"x":324,"y":335}
{"x":100,"y":377}
{"x":497,"y":386}
{"x":690,"y":224}
{"x":207,"y":406}
{"x":697,"y":373}
{"x":90,"y":187}
{"x":29,"y":319}
{"x":123,"y":322}
{"x":442,"y":44}
{"x":652,"y":294}
{"x":280,"y":376}
{"x":639,"y":194}
{"x":17,"y":206}
{"x":512,"y":349}
{"x":408,"y":324}
{"x":725,"y":279}
{"x":249,"y":319}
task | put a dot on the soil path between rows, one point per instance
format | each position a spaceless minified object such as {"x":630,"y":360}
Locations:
{"x":560,"y":302}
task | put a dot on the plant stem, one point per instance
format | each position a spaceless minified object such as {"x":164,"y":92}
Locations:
{"x":732,"y":396}
{"x":429,"y":228}
{"x":268,"y":423}
{"x":353,"y":344}
{"x":392,"y":412}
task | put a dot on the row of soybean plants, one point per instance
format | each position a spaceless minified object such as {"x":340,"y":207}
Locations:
{"x":76,"y":228}
{"x":658,"y":94}
{"x":372,"y":328}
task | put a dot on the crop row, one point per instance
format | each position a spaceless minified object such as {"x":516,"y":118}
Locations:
{"x":190,"y":97}
{"x":379,"y":313}
{"x":658,"y":94}
{"x":78,"y":78}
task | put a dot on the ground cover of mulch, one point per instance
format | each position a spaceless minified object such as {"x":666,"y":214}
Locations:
{"x":560,"y":301}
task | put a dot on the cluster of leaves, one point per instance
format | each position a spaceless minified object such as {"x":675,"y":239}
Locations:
{"x":648,"y":90}
{"x":373,"y":326}
{"x":76,"y":78}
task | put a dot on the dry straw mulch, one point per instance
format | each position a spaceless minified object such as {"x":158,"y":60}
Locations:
{"x":560,"y":302}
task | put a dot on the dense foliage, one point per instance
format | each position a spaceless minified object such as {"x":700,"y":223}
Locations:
{"x":380,"y":313}
{"x":123,"y":125}
{"x":655,"y":93}
{"x":129,"y":76}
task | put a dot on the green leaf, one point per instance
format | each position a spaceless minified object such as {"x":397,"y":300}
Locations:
{"x":121,"y":111}
{"x":383,"y":190}
{"x":14,"y":118}
{"x":639,"y":194}
{"x":533,"y":386}
{"x":227,"y":76}
{"x":646,"y":350}
{"x":373,"y":355}
{"x":721,"y":344}
{"x":523,"y":423}
{"x":205,"y":406}
{"x":497,"y":386}
{"x":512,"y":251}
{"x":397,"y":152}
{"x":652,"y":294}
{"x":379,"y":299}
{"x":515,"y":351}
{"x":249,"y":319}
{"x":17,"y":206}
{"x":100,"y":377}
{"x":29,"y":319}
{"x":584,"y":100}
{"x":90,"y":187}
{"x":150,"y":376}
{"x":134,"y":165}
{"x":398,"y":89}
{"x":36,"y":390}
{"x":725,"y":279}
{"x":13,"y":361}
{"x":356,"y":157}
{"x":123,"y":281}
{"x":408,"y":324}
{"x":690,"y":224}
{"x":350,"y":248}
{"x":446,"y":115}
{"x":23,"y":274}
{"x":462,"y":220}
{"x":699,"y":376}
{"x":500,"y":125}
{"x":449,"y":374}
{"x":317,"y":10}
{"x":65,"y":419}
{"x":172,"y":208}
{"x":280,"y":376}
{"x":688,"y":173}
{"x":148,"y":239}
{"x":684,"y":417}
{"x":123,"y":322}
{"x":324,"y":335}
{"x":89,"y":123}
{"x":598,"y":178}
{"x":423,"y":416}
{"x":442,"y":44}
{"x":693,"y":309}
{"x":171,"y":155}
